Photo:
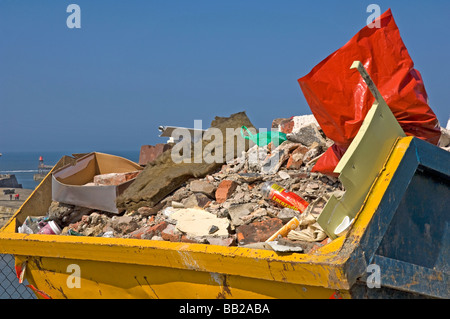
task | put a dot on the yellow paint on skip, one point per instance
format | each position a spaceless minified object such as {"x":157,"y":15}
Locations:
{"x":137,"y":268}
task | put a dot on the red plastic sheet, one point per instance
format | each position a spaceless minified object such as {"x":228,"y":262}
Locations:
{"x":339,"y":98}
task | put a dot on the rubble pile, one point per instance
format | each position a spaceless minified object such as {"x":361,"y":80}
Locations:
{"x":227,"y":207}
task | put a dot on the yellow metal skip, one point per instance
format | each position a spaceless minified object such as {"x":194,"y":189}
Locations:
{"x":136,"y":268}
{"x":119,"y":280}
{"x":153,"y":269}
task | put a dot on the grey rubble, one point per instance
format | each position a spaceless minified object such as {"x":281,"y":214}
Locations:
{"x":244,"y":206}
{"x":150,"y":207}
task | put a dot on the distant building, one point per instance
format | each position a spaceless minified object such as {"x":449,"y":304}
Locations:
{"x":43,"y":170}
{"x":9,"y":180}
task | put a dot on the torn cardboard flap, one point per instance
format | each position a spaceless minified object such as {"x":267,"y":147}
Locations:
{"x":69,"y":182}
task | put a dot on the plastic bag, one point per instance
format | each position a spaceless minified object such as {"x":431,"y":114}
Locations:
{"x":339,"y":98}
{"x":264,"y":138}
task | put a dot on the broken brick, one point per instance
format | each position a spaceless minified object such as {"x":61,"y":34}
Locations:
{"x":258,"y":231}
{"x":283,"y":125}
{"x":295,"y":160}
{"x":114,"y":178}
{"x":150,"y":152}
{"x":148,"y":231}
{"x":140,"y":233}
{"x":276,"y":122}
{"x":170,"y":233}
{"x":224,"y":190}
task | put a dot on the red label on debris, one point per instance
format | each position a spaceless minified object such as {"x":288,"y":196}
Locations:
{"x":287,"y":199}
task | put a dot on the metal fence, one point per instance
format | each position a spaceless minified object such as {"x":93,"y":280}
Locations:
{"x":10,"y":288}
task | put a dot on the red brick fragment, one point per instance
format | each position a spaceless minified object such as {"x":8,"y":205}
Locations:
{"x":114,"y":178}
{"x":149,"y":231}
{"x":258,"y":231}
{"x":285,"y":125}
{"x":170,"y":233}
{"x":224,"y":190}
{"x":295,"y":160}
{"x":150,"y":152}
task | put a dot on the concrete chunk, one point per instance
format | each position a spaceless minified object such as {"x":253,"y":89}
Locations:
{"x":198,"y":222}
{"x":306,"y":135}
{"x":204,"y":187}
{"x":237,"y":212}
{"x":163,"y":176}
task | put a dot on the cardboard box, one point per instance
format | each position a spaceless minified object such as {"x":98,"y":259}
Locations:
{"x":69,"y":182}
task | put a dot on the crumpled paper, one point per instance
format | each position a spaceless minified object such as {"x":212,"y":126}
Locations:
{"x":308,"y":229}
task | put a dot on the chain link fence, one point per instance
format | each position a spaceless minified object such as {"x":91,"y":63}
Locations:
{"x":10,"y":288}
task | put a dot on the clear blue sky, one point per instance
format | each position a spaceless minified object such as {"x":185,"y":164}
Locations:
{"x":135,"y":65}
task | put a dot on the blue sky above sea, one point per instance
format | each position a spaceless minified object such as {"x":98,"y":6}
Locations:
{"x":136,"y":65}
